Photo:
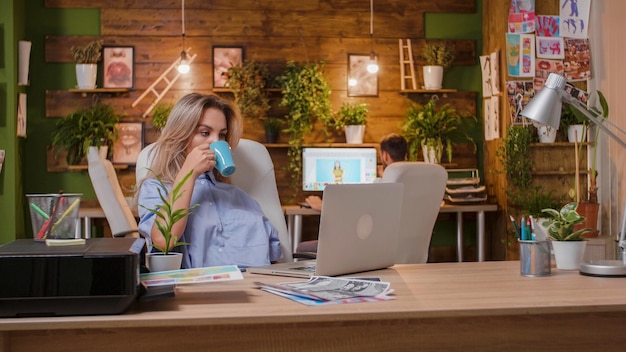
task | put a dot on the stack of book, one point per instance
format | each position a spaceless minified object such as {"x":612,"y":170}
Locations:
{"x":464,"y":187}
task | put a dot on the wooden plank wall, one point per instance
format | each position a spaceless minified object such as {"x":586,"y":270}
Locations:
{"x":270,"y":32}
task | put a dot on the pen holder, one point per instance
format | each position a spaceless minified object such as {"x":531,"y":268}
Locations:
{"x":54,"y":216}
{"x":535,"y":258}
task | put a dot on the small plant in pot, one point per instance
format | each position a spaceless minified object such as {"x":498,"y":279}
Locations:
{"x":165,"y":259}
{"x":352,"y":118}
{"x":272,"y":127}
{"x":86,"y":59}
{"x":92,"y":126}
{"x":438,"y":56}
{"x":568,"y":243}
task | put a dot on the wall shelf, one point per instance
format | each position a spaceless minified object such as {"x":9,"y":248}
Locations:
{"x":324,"y":145}
{"x":84,"y":92}
{"x":427,"y":91}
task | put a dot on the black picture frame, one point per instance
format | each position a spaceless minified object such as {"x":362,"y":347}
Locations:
{"x":225,"y":57}
{"x":129,"y":143}
{"x":118,"y":67}
{"x":361,"y":83}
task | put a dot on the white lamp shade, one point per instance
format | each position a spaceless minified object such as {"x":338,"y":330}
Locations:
{"x":545,"y":107}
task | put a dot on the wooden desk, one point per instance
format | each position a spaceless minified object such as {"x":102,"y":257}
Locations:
{"x":470,"y":306}
{"x":294,"y":223}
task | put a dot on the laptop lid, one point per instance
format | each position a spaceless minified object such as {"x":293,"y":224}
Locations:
{"x":358,"y":231}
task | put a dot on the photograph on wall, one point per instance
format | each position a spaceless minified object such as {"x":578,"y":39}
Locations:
{"x":579,"y":94}
{"x":225,"y":57}
{"x":513,"y":54}
{"x":118,"y":65}
{"x":574,"y":18}
{"x":547,"y":26}
{"x":577,"y":59}
{"x":527,"y":62}
{"x":495,"y":72}
{"x":518,"y":94}
{"x":21,"y":115}
{"x":543,"y":69}
{"x":485,"y":67}
{"x":491,"y":108}
{"x":129,"y":142}
{"x":522,"y":16}
{"x":361,"y":82}
{"x":550,"y":48}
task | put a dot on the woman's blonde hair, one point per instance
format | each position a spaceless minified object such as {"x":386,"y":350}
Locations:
{"x":169,"y":152}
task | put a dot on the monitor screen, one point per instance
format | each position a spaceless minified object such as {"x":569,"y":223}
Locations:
{"x":322,"y":166}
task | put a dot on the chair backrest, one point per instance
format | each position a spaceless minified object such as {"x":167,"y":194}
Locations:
{"x":254,"y":175}
{"x":424,"y":188}
{"x":110,"y":196}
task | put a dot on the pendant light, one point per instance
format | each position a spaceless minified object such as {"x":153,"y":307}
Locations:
{"x":372,"y":66}
{"x":183,"y":66}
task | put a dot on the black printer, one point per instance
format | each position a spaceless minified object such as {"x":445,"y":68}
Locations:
{"x":98,"y":277}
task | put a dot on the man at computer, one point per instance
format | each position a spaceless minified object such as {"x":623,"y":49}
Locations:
{"x":393,"y":147}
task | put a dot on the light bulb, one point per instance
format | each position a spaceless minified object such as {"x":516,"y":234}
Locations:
{"x":372,"y":66}
{"x":352,"y":82}
{"x":183,"y":67}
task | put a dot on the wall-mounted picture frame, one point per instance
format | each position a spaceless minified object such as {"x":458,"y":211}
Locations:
{"x":225,"y":57}
{"x":129,"y":142}
{"x":118,"y":67}
{"x":361,"y":83}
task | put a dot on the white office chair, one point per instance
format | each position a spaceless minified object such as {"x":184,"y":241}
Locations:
{"x":424,"y":188}
{"x":254,"y":175}
{"x":110,"y":196}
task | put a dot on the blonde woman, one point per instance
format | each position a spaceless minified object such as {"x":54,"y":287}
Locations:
{"x":227,"y":226}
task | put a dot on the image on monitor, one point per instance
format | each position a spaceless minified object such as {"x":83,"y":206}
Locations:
{"x":322,"y":166}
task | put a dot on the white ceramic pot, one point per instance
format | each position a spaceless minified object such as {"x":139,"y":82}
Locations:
{"x":569,"y":254}
{"x":547,"y":134}
{"x":433,"y":77}
{"x":86,"y":75}
{"x":158,"y":262}
{"x":354,"y":134}
{"x":575,"y":133}
{"x":432,"y":152}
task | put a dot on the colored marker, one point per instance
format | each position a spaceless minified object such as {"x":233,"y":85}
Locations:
{"x":39,"y":211}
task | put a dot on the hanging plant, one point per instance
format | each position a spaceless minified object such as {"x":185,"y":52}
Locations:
{"x":248,"y":82}
{"x":306,"y":94}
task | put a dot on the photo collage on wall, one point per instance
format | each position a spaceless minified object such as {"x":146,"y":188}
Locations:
{"x":537,"y":45}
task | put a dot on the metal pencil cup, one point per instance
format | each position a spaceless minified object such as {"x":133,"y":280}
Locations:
{"x":534,"y":258}
{"x":54,"y":216}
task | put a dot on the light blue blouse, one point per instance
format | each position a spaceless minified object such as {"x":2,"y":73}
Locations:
{"x":228,"y":227}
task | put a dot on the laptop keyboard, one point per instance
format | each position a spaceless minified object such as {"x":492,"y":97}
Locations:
{"x":308,"y":268}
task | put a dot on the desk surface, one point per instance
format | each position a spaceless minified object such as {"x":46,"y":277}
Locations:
{"x":445,"y":208}
{"x":475,"y":303}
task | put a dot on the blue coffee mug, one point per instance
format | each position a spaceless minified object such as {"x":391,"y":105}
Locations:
{"x":224,"y":158}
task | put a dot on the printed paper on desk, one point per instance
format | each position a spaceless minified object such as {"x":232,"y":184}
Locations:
{"x":192,"y":276}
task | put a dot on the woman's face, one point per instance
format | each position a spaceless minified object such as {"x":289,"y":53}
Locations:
{"x":211,"y":128}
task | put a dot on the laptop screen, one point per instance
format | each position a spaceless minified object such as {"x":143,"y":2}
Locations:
{"x":322,"y":166}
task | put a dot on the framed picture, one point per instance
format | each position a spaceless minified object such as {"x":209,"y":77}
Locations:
{"x":225,"y":57}
{"x":118,"y":69}
{"x":129,"y":142}
{"x":361,"y":83}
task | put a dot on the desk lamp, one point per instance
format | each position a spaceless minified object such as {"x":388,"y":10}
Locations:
{"x":545,"y":108}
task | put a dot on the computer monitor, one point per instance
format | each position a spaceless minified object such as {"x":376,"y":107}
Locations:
{"x":322,"y":166}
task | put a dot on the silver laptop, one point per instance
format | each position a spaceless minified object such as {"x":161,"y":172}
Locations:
{"x":358,"y":232}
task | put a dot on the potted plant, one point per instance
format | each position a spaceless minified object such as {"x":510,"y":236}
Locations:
{"x":306,"y":94}
{"x":430,"y":129}
{"x":165,"y":259}
{"x":568,"y":243}
{"x":573,"y":124}
{"x":90,"y":126}
{"x":248,"y":82}
{"x":352,"y":118}
{"x":438,"y":56}
{"x":160,"y":115}
{"x":86,"y":59}
{"x":272,"y":127}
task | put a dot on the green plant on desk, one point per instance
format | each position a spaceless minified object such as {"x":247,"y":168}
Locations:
{"x":561,"y":223}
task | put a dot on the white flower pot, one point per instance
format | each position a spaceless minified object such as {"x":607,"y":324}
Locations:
{"x":432,"y":152}
{"x":86,"y":75}
{"x":547,"y":134}
{"x":569,"y":254}
{"x":433,"y":77}
{"x":158,"y":262}
{"x":575,"y":133}
{"x":354,"y":134}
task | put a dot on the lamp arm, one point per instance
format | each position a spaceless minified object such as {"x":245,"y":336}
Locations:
{"x":583,"y":109}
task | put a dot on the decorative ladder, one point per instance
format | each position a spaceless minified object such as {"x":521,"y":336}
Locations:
{"x":169,"y":82}
{"x":406,"y":59}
